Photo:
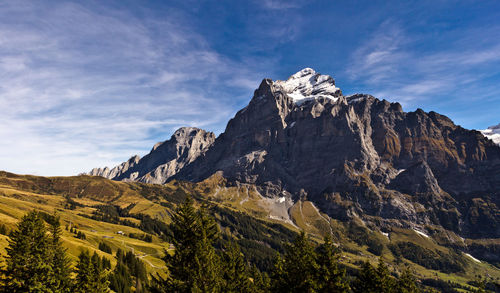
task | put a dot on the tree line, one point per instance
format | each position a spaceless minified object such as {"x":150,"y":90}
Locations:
{"x":37,"y":262}
{"x":196,"y":265}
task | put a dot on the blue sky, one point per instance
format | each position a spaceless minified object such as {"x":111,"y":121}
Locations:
{"x":91,"y":83}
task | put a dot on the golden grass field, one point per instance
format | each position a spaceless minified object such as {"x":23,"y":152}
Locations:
{"x":21,"y":194}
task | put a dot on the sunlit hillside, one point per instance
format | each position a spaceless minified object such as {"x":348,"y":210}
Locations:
{"x":125,"y":215}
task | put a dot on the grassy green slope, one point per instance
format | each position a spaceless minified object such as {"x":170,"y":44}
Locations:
{"x":259,"y":224}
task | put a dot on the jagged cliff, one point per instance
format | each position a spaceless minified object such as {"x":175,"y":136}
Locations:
{"x":354,"y":156}
{"x":165,"y":159}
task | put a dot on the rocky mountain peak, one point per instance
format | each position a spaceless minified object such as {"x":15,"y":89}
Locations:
{"x":493,"y":133}
{"x":165,"y":159}
{"x":307,"y":85}
{"x":117,"y":170}
{"x":354,"y":155}
{"x":183,"y":135}
{"x":185,"y":132}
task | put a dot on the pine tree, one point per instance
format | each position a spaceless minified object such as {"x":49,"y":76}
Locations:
{"x":387,"y":283}
{"x":90,"y":274}
{"x":84,"y":273}
{"x":207,"y":268}
{"x":3,"y":229}
{"x":105,"y":247}
{"x":60,"y":261}
{"x":140,"y":274}
{"x":297,"y":271}
{"x":481,"y":286}
{"x":100,"y":275}
{"x":371,"y":280}
{"x":365,"y":280}
{"x":206,"y":273}
{"x":330,"y":277}
{"x":195,"y":266}
{"x":279,"y":275}
{"x":235,"y":270}
{"x":120,"y":280}
{"x":406,"y":283}
{"x":129,"y":270}
{"x":28,"y":261}
{"x":260,"y":281}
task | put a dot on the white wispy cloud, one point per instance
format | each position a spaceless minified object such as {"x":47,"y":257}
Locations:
{"x":86,"y":85}
{"x":392,"y":64}
{"x":282,"y":5}
{"x":377,"y":59}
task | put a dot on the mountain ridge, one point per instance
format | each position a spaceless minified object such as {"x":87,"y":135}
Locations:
{"x":116,"y":213}
{"x":164,"y":160}
{"x":354,"y":155}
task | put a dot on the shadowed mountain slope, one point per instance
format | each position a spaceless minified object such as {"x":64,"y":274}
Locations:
{"x":354,"y":157}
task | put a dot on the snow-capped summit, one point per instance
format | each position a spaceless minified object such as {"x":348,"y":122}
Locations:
{"x":307,"y":85}
{"x":493,"y":133}
{"x":335,"y":153}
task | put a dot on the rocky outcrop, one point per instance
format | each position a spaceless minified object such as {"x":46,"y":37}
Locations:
{"x":164,"y":160}
{"x":417,"y":179}
{"x":116,"y":171}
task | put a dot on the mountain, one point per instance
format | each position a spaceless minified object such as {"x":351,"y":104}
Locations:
{"x":412,"y":189}
{"x":121,"y":214}
{"x":493,"y":133}
{"x":358,"y":156}
{"x":354,"y":157}
{"x":164,"y":160}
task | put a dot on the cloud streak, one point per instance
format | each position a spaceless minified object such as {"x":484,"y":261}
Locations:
{"x":82,"y":86}
{"x":388,"y":65}
{"x":282,"y":5}
{"x":86,"y":84}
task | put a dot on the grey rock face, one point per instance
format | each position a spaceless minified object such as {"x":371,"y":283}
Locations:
{"x":165,"y":159}
{"x":417,"y":179}
{"x":303,"y":137}
{"x":353,"y":156}
{"x":115,"y":171}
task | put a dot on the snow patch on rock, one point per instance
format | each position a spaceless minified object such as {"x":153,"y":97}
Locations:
{"x":493,"y":133}
{"x":473,"y":258}
{"x":400,"y":171}
{"x":421,"y":233}
{"x":307,"y":85}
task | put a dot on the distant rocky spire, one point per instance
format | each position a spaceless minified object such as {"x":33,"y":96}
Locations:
{"x":493,"y":133}
{"x":165,"y":159}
